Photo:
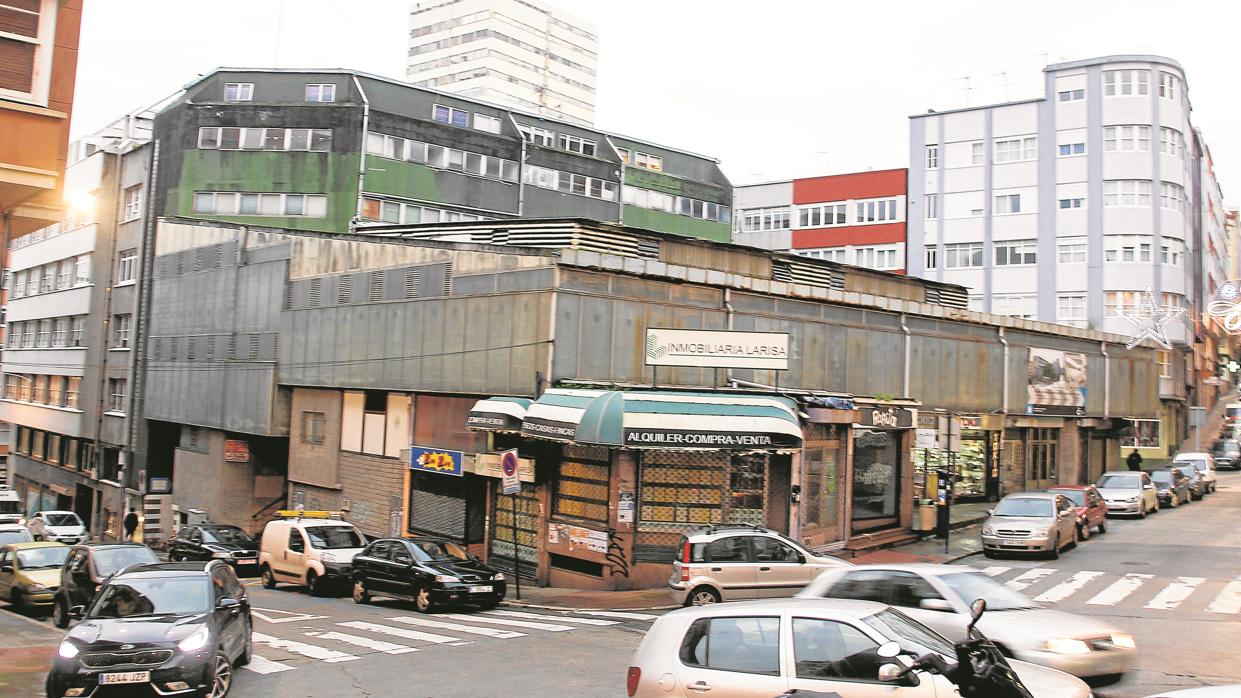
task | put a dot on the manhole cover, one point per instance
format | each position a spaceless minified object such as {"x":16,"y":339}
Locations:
{"x":1136,"y":564}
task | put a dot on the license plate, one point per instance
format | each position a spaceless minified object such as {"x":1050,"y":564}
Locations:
{"x":1012,"y":541}
{"x":246,"y":562}
{"x":125,"y":677}
{"x":482,"y":589}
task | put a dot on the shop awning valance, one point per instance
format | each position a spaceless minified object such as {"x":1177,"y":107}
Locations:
{"x":498,"y":414}
{"x":661,"y":420}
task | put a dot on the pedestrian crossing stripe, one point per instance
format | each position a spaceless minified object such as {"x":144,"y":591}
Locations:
{"x":1067,"y":588}
{"x":402,"y":632}
{"x":1027,"y":578}
{"x":365,"y":642}
{"x":558,"y":619}
{"x":1119,"y":590}
{"x":457,"y":627}
{"x":528,"y":624}
{"x":1170,"y":596}
{"x":302,"y":648}
{"x":1229,"y":599}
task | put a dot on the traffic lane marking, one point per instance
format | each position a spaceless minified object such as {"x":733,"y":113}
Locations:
{"x":1028,"y":577}
{"x":1172,"y":595}
{"x":528,"y":624}
{"x":1119,"y":590}
{"x":1068,"y":587}
{"x":557,"y":618}
{"x":364,"y":642}
{"x":457,"y":627}
{"x":404,"y":633}
{"x":302,"y":648}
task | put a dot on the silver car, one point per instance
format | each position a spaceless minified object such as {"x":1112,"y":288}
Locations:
{"x":760,"y":649}
{"x":1204,"y":463}
{"x":939,"y":596}
{"x":1030,"y":522}
{"x":1128,"y":492}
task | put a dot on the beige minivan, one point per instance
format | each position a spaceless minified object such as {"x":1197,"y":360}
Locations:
{"x":309,"y":548}
{"x":728,"y":562}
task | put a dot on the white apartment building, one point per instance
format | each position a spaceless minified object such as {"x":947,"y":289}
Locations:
{"x":1067,"y":207}
{"x":522,"y":54}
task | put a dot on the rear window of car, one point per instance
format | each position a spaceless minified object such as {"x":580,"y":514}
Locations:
{"x":690,"y":552}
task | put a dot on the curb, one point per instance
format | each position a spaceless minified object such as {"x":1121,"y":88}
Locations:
{"x":962,"y":557}
{"x":546,"y":607}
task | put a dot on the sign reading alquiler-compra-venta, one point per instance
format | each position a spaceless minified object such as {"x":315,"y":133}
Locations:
{"x":717,"y":349}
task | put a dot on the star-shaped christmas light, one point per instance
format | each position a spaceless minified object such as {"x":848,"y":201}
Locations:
{"x":1149,"y":320}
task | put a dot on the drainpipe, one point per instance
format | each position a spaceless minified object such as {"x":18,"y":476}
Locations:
{"x":908,"y":344}
{"x":1004,"y":389}
{"x":366,"y":121}
{"x":1107,"y":380}
{"x":108,"y":266}
{"x":729,"y":312}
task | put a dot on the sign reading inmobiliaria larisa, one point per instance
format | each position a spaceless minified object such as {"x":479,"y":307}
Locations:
{"x":717,"y":349}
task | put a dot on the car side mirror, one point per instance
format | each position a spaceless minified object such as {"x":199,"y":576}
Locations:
{"x":801,"y":559}
{"x":990,"y":512}
{"x":6,"y":567}
{"x":227,"y":603}
{"x":76,"y":612}
{"x":935,"y":605}
{"x":891,"y":673}
{"x":1148,"y":487}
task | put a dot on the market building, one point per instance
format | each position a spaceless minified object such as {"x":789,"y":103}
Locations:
{"x":384,"y":375}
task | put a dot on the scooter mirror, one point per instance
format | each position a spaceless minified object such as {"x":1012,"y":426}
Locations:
{"x":889,"y":649}
{"x":976,"y":610}
{"x":890,"y":672}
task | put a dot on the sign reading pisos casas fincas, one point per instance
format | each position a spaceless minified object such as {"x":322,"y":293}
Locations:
{"x":717,"y":349}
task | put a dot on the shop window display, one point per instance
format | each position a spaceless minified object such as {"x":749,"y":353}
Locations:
{"x":876,"y":474}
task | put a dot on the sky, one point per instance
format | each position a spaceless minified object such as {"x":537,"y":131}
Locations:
{"x":774,"y":90}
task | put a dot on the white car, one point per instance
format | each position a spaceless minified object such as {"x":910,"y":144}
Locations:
{"x":1204,"y":464}
{"x":309,"y":548}
{"x":59,"y":527}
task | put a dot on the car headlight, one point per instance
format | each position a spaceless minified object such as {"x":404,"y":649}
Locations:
{"x":221,"y":554}
{"x":327,"y":557}
{"x":1123,"y":640}
{"x":67,"y":649}
{"x":988,"y":530}
{"x":446,"y":578}
{"x":1067,"y":646}
{"x":498,"y":578}
{"x":1133,"y":500}
{"x":35,"y":587}
{"x":195,"y":641}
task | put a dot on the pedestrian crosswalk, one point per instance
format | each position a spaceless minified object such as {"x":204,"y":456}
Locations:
{"x":1094,"y":589}
{"x":328,"y":640}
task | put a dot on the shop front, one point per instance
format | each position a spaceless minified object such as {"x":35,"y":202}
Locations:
{"x":622,"y":475}
{"x":881,"y":439}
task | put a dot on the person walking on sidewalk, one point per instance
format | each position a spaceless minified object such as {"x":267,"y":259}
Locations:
{"x":1134,"y":460}
{"x":131,"y":524}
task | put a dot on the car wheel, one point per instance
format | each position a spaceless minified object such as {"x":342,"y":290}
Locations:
{"x":314,"y":585}
{"x":488,"y":605}
{"x":1083,"y":531}
{"x":269,"y":579}
{"x":220,"y":676}
{"x":702,"y":596}
{"x":422,"y":599}
{"x":247,"y":652}
{"x":989,"y":554}
{"x":1103,"y":525}
{"x":1076,"y":539}
{"x":360,"y":594}
{"x":60,"y":613}
{"x":18,"y":600}
{"x":1055,"y":548}
{"x":1142,"y":511}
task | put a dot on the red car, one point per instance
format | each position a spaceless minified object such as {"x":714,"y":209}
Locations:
{"x":1090,"y":507}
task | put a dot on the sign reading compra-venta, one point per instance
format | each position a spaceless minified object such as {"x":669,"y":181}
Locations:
{"x":717,"y":349}
{"x":676,"y":438}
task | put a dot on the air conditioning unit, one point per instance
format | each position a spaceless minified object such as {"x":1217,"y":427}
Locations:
{"x":345,"y":504}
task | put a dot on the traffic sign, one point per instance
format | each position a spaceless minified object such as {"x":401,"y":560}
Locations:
{"x":508,"y":466}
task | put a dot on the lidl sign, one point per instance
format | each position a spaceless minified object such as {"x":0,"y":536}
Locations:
{"x":436,"y":460}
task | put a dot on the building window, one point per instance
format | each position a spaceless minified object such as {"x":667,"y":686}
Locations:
{"x":45,"y":333}
{"x":64,"y":275}
{"x":1171,"y":196}
{"x":1007,"y":203}
{"x":1071,"y":95}
{"x":932,"y":206}
{"x":881,"y":258}
{"x":238,"y":91}
{"x":1118,"y":83}
{"x":120,"y":330}
{"x":1015,"y":305}
{"x":27,"y":30}
{"x":1126,"y":192}
{"x":759,"y":219}
{"x":1071,"y":307}
{"x":1163,"y":359}
{"x":1078,"y":202}
{"x":932,"y":258}
{"x":320,"y":92}
{"x":1067,"y":149}
{"x":1173,"y":300}
{"x":73,"y":387}
{"x":126,"y":265}
{"x":581,"y":485}
{"x":962,"y":255}
{"x":1015,"y":149}
{"x":1126,"y":248}
{"x":648,"y":161}
{"x":77,"y":331}
{"x":234,"y":138}
{"x":313,"y":427}
{"x":538,"y":136}
{"x":1135,"y":138}
{"x":397,"y":212}
{"x":574,"y":144}
{"x":822,"y":215}
{"x":1117,"y":302}
{"x":1167,"y":85}
{"x":28,"y":330}
{"x":56,"y":391}
{"x":877,"y":211}
{"x":133,"y":202}
{"x":1070,"y":251}
{"x":570,"y":183}
{"x":978,"y":153}
{"x":60,"y":332}
{"x":932,"y":157}
{"x":40,"y":389}
{"x":1172,"y":252}
{"x":116,"y":394}
{"x":254,"y":204}
{"x":490,"y":124}
{"x":81,"y":270}
{"x":1171,"y":142}
{"x":450,"y":115}
{"x":441,"y":157}
{"x":1015,"y":252}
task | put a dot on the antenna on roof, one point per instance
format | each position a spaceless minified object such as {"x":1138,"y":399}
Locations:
{"x":968,"y":89}
{"x":1003,"y":74}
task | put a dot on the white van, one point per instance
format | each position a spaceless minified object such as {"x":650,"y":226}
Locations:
{"x":10,"y":507}
{"x":1205,"y":465}
{"x":309,"y":548}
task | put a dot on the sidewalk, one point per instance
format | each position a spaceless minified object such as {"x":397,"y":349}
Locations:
{"x":26,"y":649}
{"x":585,"y":599}
{"x":963,"y":541}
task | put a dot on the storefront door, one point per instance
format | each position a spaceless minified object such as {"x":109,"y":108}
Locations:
{"x":823,"y":459}
{"x":1041,"y":460}
{"x":880,"y":452}
{"x":515,"y":518}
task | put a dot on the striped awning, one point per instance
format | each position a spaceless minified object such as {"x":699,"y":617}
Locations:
{"x":498,"y":414}
{"x":665,"y":420}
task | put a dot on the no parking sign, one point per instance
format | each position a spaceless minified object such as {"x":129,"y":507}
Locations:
{"x":508,"y":465}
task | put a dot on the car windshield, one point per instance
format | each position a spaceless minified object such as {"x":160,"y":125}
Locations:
{"x":150,"y":597}
{"x":426,"y":550}
{"x":1186,"y":470}
{"x":334,"y":537}
{"x":62,"y":519}
{"x":42,"y":558}
{"x":972,"y":585}
{"x":225,"y":534}
{"x":1195,"y":463}
{"x":109,"y":560}
{"x":1162,"y":477}
{"x":1023,"y":506}
{"x":10,"y":506}
{"x":1218,"y":448}
{"x":7,"y":537}
{"x":1078,"y":497}
{"x":913,"y":636}
{"x":1118,"y":482}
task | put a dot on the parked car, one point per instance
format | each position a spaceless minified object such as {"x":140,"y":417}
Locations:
{"x":829,"y":647}
{"x":1227,"y":454}
{"x":430,"y":572}
{"x":216,"y":541}
{"x":939,"y":596}
{"x":14,"y":533}
{"x":161,"y":629}
{"x":10,"y":507}
{"x":309,"y":548}
{"x":1204,"y":464}
{"x":59,"y":526}
{"x":1197,"y":487}
{"x":741,"y":561}
{"x":1089,"y":505}
{"x":86,"y":567}
{"x":1128,"y":492}
{"x":1030,"y":522}
{"x":1171,"y":486}
{"x":30,"y":573}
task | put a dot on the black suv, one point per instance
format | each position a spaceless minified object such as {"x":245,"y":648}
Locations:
{"x":166,"y":628}
{"x":216,"y":541}
{"x":86,"y":567}
{"x":428,"y":571}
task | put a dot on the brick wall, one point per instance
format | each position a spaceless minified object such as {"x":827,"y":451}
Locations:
{"x":309,"y":463}
{"x":370,"y":483}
